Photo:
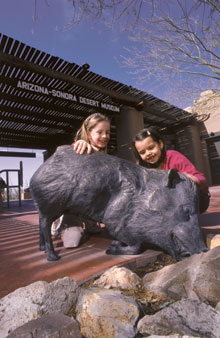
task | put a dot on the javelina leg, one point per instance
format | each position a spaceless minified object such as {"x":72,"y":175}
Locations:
{"x":42,"y":240}
{"x":45,"y":239}
{"x":115,"y":242}
{"x":123,"y":249}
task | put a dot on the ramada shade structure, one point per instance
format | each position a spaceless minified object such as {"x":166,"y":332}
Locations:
{"x":44,"y":99}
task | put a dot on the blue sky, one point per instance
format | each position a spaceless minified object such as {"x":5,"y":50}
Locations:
{"x":94,"y":43}
{"x":99,"y":46}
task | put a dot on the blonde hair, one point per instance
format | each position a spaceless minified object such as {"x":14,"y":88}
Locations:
{"x":90,"y":123}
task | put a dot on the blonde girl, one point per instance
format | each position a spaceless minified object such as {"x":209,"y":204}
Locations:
{"x":93,"y":135}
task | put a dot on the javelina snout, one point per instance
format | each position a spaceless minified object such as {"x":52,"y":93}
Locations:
{"x":187,"y":241}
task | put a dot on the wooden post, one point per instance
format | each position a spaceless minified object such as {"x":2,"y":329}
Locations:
{"x":1,"y":199}
{"x":129,"y":123}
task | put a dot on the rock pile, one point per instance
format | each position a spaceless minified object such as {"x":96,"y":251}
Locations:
{"x":180,"y":300}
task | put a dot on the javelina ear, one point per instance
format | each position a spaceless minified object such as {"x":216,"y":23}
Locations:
{"x":173,"y":178}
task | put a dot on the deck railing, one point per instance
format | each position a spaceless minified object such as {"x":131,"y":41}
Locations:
{"x":19,"y":180}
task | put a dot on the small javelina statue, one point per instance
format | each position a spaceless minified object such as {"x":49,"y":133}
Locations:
{"x":137,"y":205}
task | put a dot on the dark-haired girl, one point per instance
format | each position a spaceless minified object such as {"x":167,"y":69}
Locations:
{"x":150,"y":151}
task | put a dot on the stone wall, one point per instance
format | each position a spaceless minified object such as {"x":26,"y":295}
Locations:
{"x":208,"y":102}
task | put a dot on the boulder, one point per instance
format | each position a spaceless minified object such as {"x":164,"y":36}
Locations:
{"x":172,"y":336}
{"x":185,"y":317}
{"x":197,"y":277}
{"x":54,"y":325}
{"x":118,"y":277}
{"x":212,"y":240}
{"x":34,"y":301}
{"x":106,"y":313}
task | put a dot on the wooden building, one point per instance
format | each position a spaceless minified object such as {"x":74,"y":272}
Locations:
{"x":45,"y":99}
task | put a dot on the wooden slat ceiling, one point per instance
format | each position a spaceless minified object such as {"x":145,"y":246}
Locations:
{"x":45,"y":99}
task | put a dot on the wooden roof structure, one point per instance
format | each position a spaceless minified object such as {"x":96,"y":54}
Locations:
{"x":45,"y":99}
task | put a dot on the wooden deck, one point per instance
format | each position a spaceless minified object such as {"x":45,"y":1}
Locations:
{"x":22,"y":263}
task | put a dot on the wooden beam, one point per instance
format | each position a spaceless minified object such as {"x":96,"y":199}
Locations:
{"x":13,"y":83}
{"x":73,"y":122}
{"x":16,"y":154}
{"x":32,"y":122}
{"x":44,"y":105}
{"x":32,"y":67}
{"x":27,"y":136}
{"x":118,"y":98}
{"x":21,"y":144}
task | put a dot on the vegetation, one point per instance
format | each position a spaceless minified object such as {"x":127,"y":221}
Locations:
{"x":175,"y":43}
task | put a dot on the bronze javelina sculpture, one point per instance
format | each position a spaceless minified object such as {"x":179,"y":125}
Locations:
{"x":137,"y":205}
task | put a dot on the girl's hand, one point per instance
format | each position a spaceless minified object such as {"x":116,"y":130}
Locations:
{"x":80,"y":147}
{"x":193,"y":178}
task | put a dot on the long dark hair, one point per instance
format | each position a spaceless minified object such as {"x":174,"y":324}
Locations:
{"x":144,"y":133}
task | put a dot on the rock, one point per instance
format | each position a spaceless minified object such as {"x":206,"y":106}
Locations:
{"x":206,"y":93}
{"x":197,"y":277}
{"x":118,"y":277}
{"x":209,"y":102}
{"x":106,"y":313}
{"x":34,"y":301}
{"x":172,"y":336}
{"x":54,"y":325}
{"x":185,"y":317}
{"x":212,"y":241}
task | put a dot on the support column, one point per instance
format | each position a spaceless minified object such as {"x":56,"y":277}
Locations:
{"x":199,"y":150}
{"x":129,"y":123}
{"x":48,"y":153}
{"x":1,"y":199}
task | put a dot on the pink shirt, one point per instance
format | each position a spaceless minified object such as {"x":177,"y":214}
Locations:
{"x":178,"y":161}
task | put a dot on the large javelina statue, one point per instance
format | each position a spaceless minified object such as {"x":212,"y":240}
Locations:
{"x":137,"y":205}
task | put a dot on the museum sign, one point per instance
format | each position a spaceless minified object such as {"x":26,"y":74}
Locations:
{"x":66,"y":96}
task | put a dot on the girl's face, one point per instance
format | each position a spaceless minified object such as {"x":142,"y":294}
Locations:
{"x":149,"y":150}
{"x":100,"y":134}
